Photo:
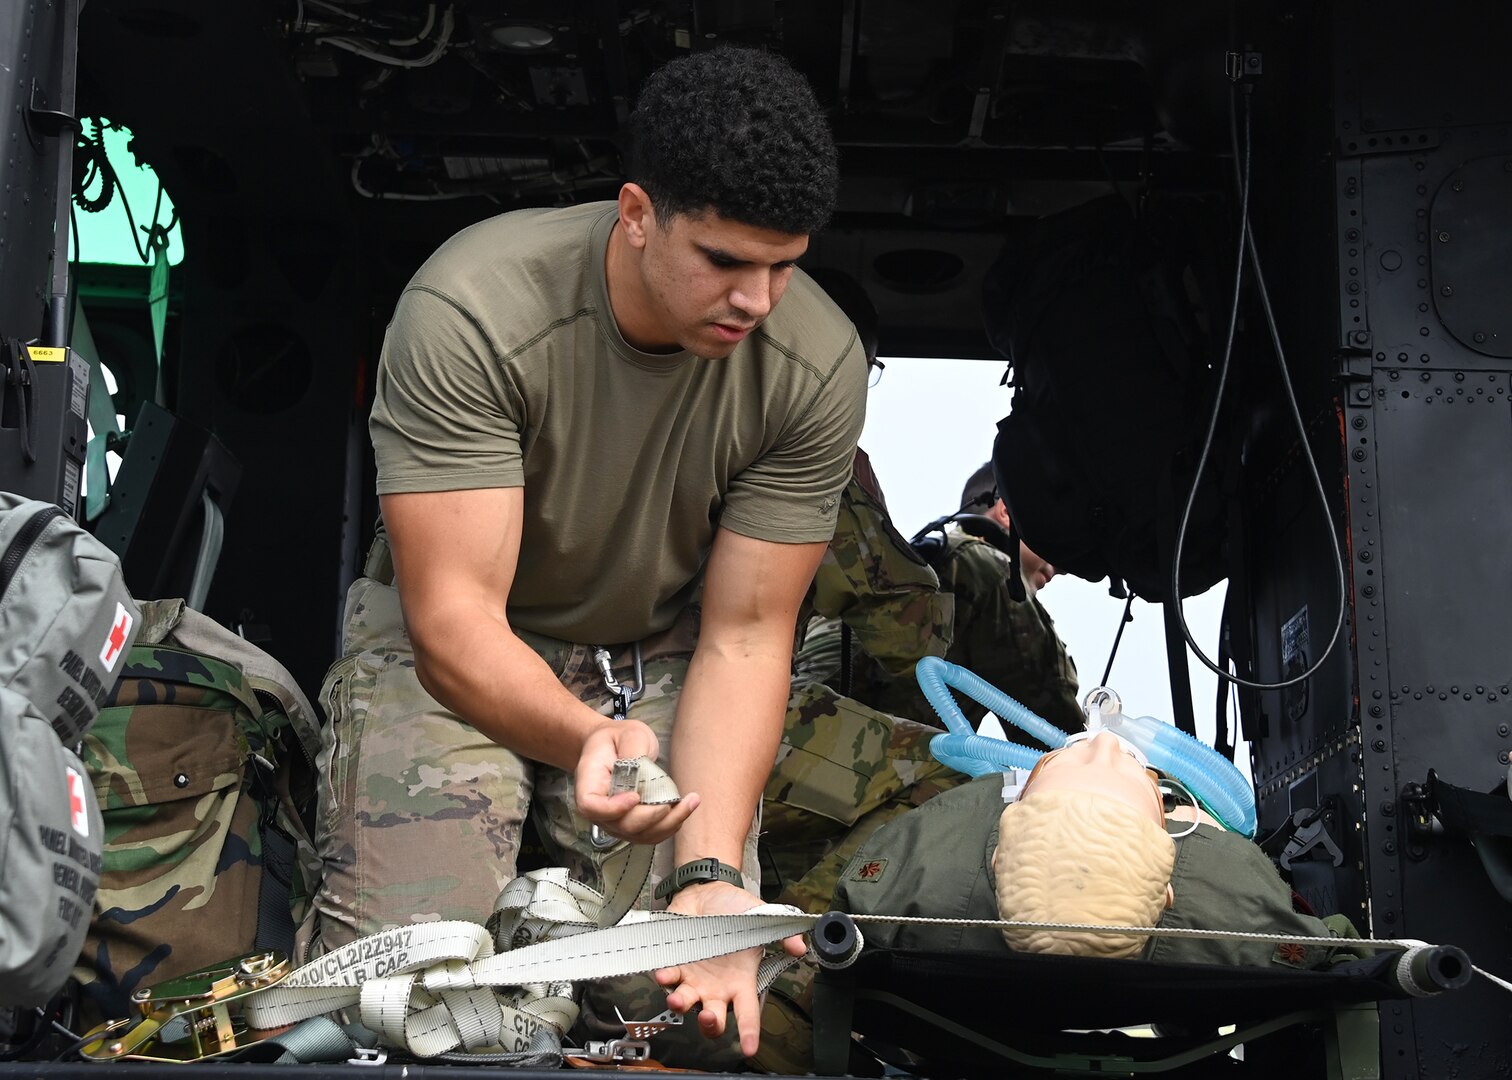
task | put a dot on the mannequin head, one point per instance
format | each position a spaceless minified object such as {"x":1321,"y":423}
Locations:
{"x":1085,"y":843}
{"x":1101,"y":764}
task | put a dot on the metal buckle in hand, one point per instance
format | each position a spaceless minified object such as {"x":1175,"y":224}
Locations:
{"x":190,"y":1018}
{"x":635,"y":1047}
{"x":624,"y":696}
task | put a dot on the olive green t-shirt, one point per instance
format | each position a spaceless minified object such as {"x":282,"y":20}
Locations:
{"x":503,"y":367}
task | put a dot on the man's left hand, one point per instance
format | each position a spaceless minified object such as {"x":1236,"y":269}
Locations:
{"x":725,"y":981}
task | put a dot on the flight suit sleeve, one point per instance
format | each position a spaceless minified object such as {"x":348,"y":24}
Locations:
{"x":1011,"y":644}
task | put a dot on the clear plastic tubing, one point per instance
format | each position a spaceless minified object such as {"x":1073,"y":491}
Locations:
{"x":1211,"y":777}
{"x":961,"y":748}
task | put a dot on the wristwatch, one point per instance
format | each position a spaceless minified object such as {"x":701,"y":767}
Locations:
{"x":697,"y":872}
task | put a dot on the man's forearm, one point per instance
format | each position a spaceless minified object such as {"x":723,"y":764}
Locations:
{"x":729,"y":722}
{"x":455,"y":555}
{"x":475,"y":665}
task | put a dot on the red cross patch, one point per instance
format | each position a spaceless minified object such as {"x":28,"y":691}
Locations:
{"x":110,"y":652}
{"x":871,"y":871}
{"x":78,"y":809}
{"x":1292,"y":953}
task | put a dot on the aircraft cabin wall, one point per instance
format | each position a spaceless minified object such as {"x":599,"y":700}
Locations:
{"x":1386,"y":228}
{"x":36,"y":100}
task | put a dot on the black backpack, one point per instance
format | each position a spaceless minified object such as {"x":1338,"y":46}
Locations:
{"x":1095,"y":309}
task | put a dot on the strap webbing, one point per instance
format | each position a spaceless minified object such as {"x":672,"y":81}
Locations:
{"x":317,"y":1039}
{"x":1180,"y":675}
{"x":1175,"y":641}
{"x":275,"y":923}
{"x":1222,"y":740}
{"x":157,"y":296}
{"x":438,"y":988}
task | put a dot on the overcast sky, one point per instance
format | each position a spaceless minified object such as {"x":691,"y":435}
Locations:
{"x":929,"y":424}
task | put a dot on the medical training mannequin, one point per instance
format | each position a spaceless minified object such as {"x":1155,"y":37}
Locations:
{"x":1085,"y":842}
{"x":1089,"y":840}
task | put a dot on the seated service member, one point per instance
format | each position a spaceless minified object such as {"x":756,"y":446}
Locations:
{"x":1010,"y":643}
{"x":582,"y":416}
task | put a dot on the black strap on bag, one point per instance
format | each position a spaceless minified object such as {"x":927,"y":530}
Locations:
{"x":1485,"y":817}
{"x":1184,"y":713}
{"x":1222,"y":742}
{"x":275,"y":922}
{"x":1484,"y":813}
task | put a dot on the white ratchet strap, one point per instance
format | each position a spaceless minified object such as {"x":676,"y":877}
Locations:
{"x":434,"y":988}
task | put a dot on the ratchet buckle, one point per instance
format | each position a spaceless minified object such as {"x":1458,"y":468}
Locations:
{"x":192,"y":1017}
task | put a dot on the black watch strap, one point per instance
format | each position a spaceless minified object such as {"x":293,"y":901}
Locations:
{"x":697,"y":872}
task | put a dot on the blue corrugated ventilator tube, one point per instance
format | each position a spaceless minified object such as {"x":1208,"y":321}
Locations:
{"x":1212,"y":779}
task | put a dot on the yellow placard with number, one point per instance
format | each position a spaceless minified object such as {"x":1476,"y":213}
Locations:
{"x":42,"y":354}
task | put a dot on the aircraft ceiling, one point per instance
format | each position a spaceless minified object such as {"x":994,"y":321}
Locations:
{"x":953,"y":118}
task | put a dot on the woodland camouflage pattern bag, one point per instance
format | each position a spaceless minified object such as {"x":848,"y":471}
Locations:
{"x":201,"y":764}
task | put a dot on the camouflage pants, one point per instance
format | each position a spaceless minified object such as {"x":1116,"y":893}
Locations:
{"x":843,"y":771}
{"x":420,"y":814}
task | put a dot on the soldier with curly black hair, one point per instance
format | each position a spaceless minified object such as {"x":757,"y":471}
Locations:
{"x":595,"y":427}
{"x":727,"y":130}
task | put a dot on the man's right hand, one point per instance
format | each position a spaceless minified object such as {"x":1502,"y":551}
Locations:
{"x":622,"y":815}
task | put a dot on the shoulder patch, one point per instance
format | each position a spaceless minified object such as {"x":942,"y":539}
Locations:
{"x":871,"y":870}
{"x":829,"y":503}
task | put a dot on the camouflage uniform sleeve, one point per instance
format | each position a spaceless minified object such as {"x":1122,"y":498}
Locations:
{"x":1010,"y":644}
{"x":874,"y":581}
{"x":969,"y":573}
{"x":817,"y":658}
{"x":1058,"y":697}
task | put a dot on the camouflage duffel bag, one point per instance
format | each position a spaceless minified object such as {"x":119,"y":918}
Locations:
{"x":202,"y":766}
